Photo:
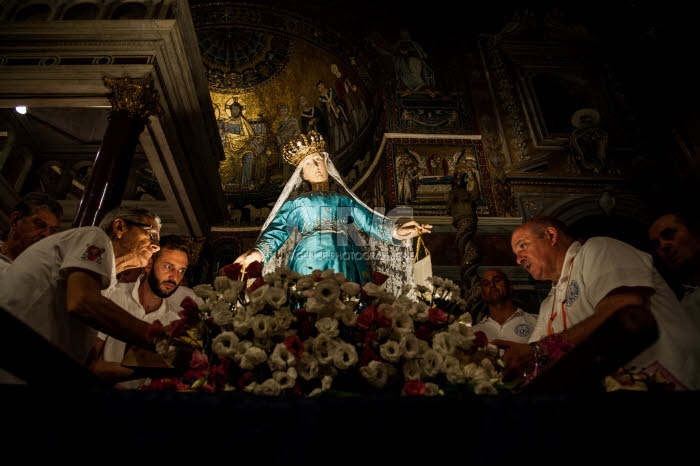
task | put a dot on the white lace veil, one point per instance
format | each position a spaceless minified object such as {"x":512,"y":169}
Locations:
{"x":394,"y":261}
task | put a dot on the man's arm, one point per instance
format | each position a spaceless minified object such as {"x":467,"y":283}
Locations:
{"x":84,"y":300}
{"x":616,"y":299}
{"x":109,"y":372}
{"x":520,"y":357}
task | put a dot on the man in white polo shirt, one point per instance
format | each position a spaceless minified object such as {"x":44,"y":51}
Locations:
{"x":504,"y":320}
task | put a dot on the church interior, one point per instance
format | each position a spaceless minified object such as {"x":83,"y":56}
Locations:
{"x":501,"y":94}
{"x":472,"y":120}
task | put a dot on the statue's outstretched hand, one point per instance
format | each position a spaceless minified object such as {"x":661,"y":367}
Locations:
{"x":411,"y":229}
{"x":248,"y":258}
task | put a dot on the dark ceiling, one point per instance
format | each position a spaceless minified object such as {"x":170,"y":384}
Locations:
{"x":647,"y":43}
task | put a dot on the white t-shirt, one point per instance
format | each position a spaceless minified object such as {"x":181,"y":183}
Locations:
{"x":602,"y":264}
{"x":34,"y":286}
{"x":4,"y":261}
{"x":126,"y":295}
{"x":517,"y":328}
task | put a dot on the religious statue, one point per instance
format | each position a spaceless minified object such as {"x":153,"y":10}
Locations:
{"x":321,"y":224}
{"x":587,"y":143}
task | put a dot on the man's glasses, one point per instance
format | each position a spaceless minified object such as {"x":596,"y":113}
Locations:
{"x":152,"y":232}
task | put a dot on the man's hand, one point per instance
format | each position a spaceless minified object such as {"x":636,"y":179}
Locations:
{"x":518,"y":356}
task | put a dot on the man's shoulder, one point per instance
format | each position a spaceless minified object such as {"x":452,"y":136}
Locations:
{"x":520,"y":312}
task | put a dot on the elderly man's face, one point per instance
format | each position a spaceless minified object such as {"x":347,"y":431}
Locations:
{"x":25,"y":231}
{"x":535,"y":254}
{"x":138,"y":243}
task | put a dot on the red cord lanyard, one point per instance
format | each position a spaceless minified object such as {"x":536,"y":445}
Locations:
{"x":563,"y":309}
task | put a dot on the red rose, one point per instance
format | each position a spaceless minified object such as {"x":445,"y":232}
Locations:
{"x":366,"y":317}
{"x":155,"y":330}
{"x":294,"y":345}
{"x":481,"y":340}
{"x":437,"y":316}
{"x":254,"y":270}
{"x":189,"y":311}
{"x":177,"y":328}
{"x":255,"y":285}
{"x":379,"y":278}
{"x":232,"y":271}
{"x":414,"y":388}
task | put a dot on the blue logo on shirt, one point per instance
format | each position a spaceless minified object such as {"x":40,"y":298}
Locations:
{"x":522,"y":330}
{"x":572,"y":293}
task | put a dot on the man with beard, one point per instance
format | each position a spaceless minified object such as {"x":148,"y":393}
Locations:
{"x":146,"y":299}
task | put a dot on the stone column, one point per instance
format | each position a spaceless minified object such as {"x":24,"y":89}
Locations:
{"x":133,"y":101}
{"x":461,"y":205}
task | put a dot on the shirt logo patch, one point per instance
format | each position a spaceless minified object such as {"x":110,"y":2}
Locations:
{"x":572,"y":293}
{"x":522,"y":330}
{"x":93,"y":254}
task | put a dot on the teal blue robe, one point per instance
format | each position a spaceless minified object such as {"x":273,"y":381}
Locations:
{"x":326,"y":222}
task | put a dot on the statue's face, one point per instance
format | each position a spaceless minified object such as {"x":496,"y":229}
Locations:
{"x":314,"y":168}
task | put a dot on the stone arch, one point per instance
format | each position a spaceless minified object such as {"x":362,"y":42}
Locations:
{"x":36,"y":11}
{"x":81,"y":10}
{"x":585,"y":218}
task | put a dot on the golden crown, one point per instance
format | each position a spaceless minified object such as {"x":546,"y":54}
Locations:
{"x":296,"y":149}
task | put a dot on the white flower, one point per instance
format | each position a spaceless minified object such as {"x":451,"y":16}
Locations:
{"x":221,"y":313}
{"x":327,"y":291}
{"x":328,"y":326}
{"x":412,"y":370}
{"x":326,"y":382}
{"x":222,"y":283}
{"x":205,"y":291}
{"x":344,"y":356}
{"x":390,"y":350}
{"x":307,"y":366}
{"x":275,"y":297}
{"x":232,"y":293}
{"x":322,"y":347}
{"x":452,"y":370}
{"x":285,"y":379}
{"x":431,"y":362}
{"x":484,"y":388}
{"x":350,"y":289}
{"x":305,"y":282}
{"x":347,"y":316}
{"x":377,"y":373}
{"x":166,"y":351}
{"x":431,"y":389}
{"x":281,"y":358}
{"x":261,"y":325}
{"x":270,"y":387}
{"x":224,"y":344}
{"x":373,"y":290}
{"x":412,"y":346}
{"x":252,"y":357}
{"x":256,"y":300}
{"x":284,"y":318}
{"x":402,"y":323}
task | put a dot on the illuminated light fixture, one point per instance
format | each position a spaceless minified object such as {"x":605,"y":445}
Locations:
{"x":21,"y":109}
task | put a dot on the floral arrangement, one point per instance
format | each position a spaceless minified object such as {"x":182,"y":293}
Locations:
{"x":303,"y":335}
